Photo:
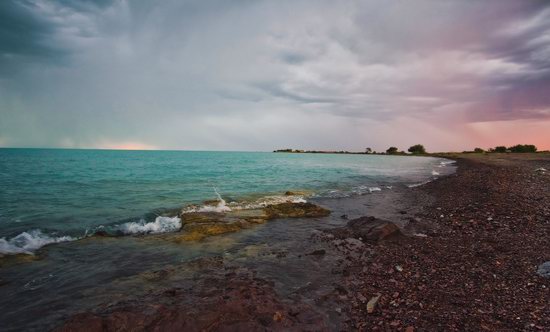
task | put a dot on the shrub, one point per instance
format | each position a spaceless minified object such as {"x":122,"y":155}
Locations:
{"x":391,"y":150}
{"x":500,"y":149}
{"x":523,"y":148}
{"x":479,"y":150}
{"x":417,"y":149}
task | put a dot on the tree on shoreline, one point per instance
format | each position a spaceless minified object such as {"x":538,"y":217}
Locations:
{"x":417,"y":149}
{"x":520,"y":148}
{"x":391,"y":150}
{"x":499,"y":149}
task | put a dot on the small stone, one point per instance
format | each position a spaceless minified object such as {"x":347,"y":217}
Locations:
{"x":399,"y":268}
{"x":395,"y":323}
{"x":362,"y":298}
{"x":544,"y":270}
{"x":373,"y":302}
{"x":278,"y":316}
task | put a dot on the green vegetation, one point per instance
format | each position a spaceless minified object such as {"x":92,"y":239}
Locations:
{"x":417,"y":149}
{"x":498,"y":149}
{"x":520,"y":148}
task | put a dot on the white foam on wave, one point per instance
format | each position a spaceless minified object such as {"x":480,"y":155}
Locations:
{"x":373,"y":189}
{"x":262,"y":202}
{"x":435,"y":173}
{"x":160,"y":225}
{"x":361,"y":190}
{"x":268,"y":200}
{"x":445,"y":163}
{"x":414,"y":185}
{"x":28,"y":242}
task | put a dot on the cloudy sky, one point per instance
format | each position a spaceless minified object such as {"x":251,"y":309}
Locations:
{"x":260,"y":75}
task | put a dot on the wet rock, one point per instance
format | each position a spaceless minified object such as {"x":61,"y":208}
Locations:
{"x":295,"y":210}
{"x":157,"y":275}
{"x":371,"y":229}
{"x":295,"y":193}
{"x":205,"y":263}
{"x":199,"y":231}
{"x":9,"y":260}
{"x":318,"y":252}
{"x":199,"y":225}
{"x":83,"y":322}
{"x":237,"y":302}
{"x":201,"y":217}
{"x":102,"y":233}
{"x":544,"y":270}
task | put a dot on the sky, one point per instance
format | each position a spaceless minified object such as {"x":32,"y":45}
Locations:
{"x":261,"y":75}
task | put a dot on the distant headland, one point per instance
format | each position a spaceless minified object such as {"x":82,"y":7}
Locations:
{"x":419,"y":149}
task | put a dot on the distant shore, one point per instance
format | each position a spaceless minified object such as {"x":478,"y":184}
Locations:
{"x":403,"y":153}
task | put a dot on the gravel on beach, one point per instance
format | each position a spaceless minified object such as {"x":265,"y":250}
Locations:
{"x":477,"y":268}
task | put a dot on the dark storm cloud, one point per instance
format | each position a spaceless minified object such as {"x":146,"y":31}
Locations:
{"x":221,"y":74}
{"x":24,"y":34}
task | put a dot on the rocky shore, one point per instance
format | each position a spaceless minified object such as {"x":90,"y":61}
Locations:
{"x":475,"y":269}
{"x":470,"y":257}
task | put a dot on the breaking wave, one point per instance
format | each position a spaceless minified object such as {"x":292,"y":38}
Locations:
{"x":160,"y":225}
{"x":223,"y":206}
{"x":28,"y":242}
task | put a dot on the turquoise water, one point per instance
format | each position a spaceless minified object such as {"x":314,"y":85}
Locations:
{"x":54,"y":194}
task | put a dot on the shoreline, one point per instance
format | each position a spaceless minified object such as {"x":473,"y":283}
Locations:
{"x":473,"y":270}
{"x":437,"y":273}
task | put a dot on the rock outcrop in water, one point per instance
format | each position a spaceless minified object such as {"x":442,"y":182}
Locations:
{"x":229,"y":299}
{"x":199,"y":225}
{"x":295,"y":210}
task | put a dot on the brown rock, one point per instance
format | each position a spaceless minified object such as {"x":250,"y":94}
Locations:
{"x":199,"y":231}
{"x":371,"y":229}
{"x":295,"y":210}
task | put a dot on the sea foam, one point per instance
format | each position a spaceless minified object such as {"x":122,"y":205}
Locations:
{"x":160,"y":225}
{"x":28,"y":242}
{"x":222,"y":206}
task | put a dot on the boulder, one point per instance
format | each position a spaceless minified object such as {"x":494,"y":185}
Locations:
{"x":371,"y":229}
